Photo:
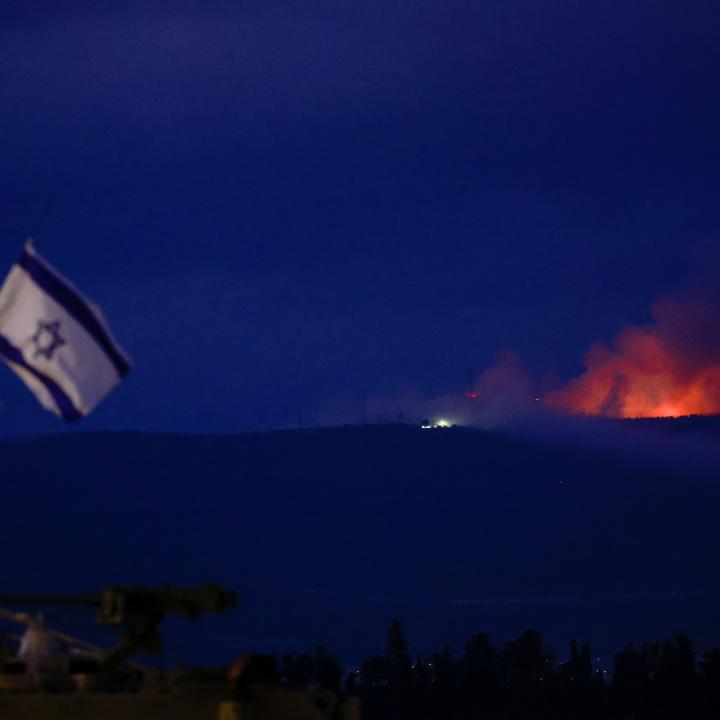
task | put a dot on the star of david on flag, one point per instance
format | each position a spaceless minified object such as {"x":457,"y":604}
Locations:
{"x":56,"y":340}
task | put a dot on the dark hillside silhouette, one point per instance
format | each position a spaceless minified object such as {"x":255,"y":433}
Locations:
{"x":327,"y":533}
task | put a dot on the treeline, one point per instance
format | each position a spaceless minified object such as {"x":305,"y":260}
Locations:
{"x":518,"y":680}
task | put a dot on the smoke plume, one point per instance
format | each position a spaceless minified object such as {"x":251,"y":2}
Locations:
{"x":504,"y":391}
{"x":668,"y":368}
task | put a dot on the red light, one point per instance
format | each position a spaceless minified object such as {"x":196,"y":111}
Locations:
{"x":471,"y":395}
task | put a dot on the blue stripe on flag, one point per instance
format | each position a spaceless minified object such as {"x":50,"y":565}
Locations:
{"x":75,"y":305}
{"x":68,"y":411}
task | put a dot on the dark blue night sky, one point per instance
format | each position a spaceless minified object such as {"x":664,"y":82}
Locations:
{"x":298,"y":204}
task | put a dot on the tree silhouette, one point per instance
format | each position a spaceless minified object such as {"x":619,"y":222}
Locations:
{"x":397,"y":644}
{"x":710,"y":666}
{"x":585,"y":667}
{"x":522,"y":682}
{"x":480,"y":657}
{"x":298,"y":671}
{"x":525,"y":658}
{"x":328,"y":671}
{"x":398,"y":656}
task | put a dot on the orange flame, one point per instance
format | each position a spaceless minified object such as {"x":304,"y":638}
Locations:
{"x":667,"y":369}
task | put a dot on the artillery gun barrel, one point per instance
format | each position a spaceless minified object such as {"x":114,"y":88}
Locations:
{"x":90,"y":600}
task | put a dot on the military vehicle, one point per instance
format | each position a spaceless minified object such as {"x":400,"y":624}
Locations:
{"x":54,"y":676}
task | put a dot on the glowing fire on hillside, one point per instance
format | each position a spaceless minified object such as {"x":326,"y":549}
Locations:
{"x":667,"y":369}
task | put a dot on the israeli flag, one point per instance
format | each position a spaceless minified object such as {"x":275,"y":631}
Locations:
{"x":56,"y":340}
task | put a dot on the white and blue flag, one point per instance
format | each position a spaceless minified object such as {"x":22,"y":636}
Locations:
{"x":56,"y":339}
